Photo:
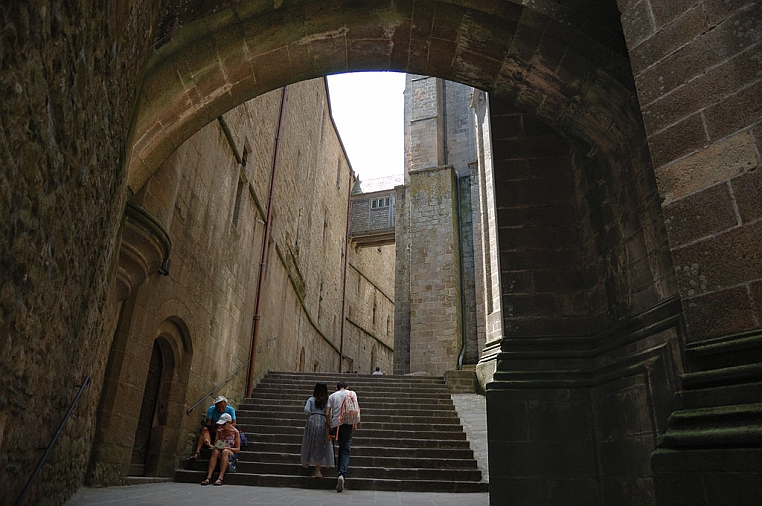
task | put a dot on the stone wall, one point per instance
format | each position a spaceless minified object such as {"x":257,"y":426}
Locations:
{"x":696,"y":67}
{"x":435,"y":288}
{"x":210,"y":196}
{"x":93,"y":97}
{"x":68,"y":77}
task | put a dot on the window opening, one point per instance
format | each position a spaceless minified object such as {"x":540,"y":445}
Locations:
{"x":237,"y":205}
{"x":380,"y":203}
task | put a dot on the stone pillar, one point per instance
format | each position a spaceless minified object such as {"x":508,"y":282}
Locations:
{"x":435,"y":315}
{"x":485,"y":232}
{"x":696,"y":68}
{"x":402,"y":283}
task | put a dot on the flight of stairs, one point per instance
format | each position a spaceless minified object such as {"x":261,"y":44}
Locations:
{"x":409,"y":439}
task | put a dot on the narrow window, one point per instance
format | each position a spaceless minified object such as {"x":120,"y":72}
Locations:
{"x":237,"y":205}
{"x":338,"y":174}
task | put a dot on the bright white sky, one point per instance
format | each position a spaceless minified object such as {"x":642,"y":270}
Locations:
{"x":368,"y":110}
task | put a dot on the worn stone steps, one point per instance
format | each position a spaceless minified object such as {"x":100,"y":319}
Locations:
{"x":410,"y":437}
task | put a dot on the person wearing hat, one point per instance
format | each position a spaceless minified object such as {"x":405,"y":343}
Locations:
{"x":213,"y":415}
{"x":227,"y":444}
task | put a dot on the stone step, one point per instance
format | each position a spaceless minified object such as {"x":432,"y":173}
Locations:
{"x":328,"y":483}
{"x":358,"y":470}
{"x":435,"y":453}
{"x":297,"y":391}
{"x":361,"y":439}
{"x":410,"y":437}
{"x":369,"y":458}
{"x":369,"y":413}
{"x":296,"y":396}
{"x":361,"y":433}
{"x":368,"y":416}
{"x":287,"y":426}
{"x":720,"y":395}
{"x":353,"y":379}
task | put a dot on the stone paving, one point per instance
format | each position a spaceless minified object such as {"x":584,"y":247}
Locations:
{"x":473,"y":414}
{"x":472,"y":410}
{"x":162,"y":494}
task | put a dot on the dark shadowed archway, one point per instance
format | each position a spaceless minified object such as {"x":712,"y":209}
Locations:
{"x":581,"y":226}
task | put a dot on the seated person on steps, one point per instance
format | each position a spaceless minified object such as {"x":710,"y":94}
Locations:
{"x":213,"y":415}
{"x":227,"y":444}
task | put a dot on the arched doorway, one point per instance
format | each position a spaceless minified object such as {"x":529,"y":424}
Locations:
{"x":153,"y":410}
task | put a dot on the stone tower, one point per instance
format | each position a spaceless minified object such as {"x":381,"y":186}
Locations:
{"x":440,"y":289}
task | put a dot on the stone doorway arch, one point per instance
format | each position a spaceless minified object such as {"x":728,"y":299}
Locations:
{"x":153,"y":411}
{"x":143,"y":401}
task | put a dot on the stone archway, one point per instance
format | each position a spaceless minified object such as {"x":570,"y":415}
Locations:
{"x":153,"y":411}
{"x":72,"y":75}
{"x":141,"y":408}
{"x":580,"y":227}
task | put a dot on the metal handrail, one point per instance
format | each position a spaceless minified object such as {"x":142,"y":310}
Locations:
{"x":53,"y":442}
{"x":212,"y":391}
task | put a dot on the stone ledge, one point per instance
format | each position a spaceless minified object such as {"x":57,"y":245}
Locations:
{"x":462,"y":382}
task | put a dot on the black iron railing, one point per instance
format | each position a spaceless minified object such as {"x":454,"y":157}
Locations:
{"x":28,"y":486}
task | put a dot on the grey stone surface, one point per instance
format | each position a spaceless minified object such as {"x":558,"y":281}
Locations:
{"x":160,"y":494}
{"x":472,"y":410}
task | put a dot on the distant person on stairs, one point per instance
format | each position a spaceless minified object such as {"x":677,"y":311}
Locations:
{"x":377,"y":371}
{"x":317,"y":449}
{"x":213,"y":414}
{"x":227,"y":444}
{"x":342,"y":416}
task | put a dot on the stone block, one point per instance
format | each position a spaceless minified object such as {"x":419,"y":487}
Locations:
{"x":557,"y":280}
{"x":693,"y":59}
{"x":686,"y":136}
{"x":720,"y":261}
{"x":665,"y":11}
{"x":559,"y":421}
{"x":627,"y":456}
{"x":664,"y":41}
{"x":736,"y":111}
{"x":701,"y":214}
{"x":717,"y":162}
{"x":747,"y":190}
{"x":506,"y":126}
{"x":515,"y":490}
{"x":732,"y":489}
{"x":721,"y":312}
{"x":637,"y":25}
{"x":516,"y":281}
{"x":712,"y":87}
{"x":627,"y":491}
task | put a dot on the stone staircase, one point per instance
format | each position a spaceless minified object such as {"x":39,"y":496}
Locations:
{"x":410,"y":437}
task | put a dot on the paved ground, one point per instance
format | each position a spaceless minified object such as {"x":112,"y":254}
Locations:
{"x":473,"y":414}
{"x":163,"y":494}
{"x":472,"y":410}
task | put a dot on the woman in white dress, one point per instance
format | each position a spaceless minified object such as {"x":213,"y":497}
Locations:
{"x":317,"y":449}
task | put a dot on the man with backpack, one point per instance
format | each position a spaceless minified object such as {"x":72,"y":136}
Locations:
{"x":342,"y":415}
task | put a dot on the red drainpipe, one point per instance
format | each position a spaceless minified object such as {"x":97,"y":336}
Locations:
{"x":265,"y":247}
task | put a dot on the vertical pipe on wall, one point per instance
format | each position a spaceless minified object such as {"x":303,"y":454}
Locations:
{"x":344,"y":281}
{"x":265,"y":241}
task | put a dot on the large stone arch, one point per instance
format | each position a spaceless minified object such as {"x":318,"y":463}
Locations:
{"x":73,"y":84}
{"x":564,"y":67}
{"x":552,"y":60}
